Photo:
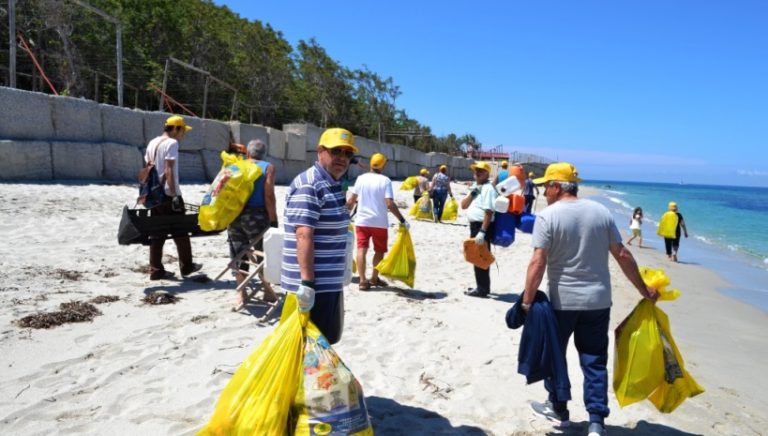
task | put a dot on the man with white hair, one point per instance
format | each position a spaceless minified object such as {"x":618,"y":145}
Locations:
{"x":258,"y":214}
{"x":571,"y":239}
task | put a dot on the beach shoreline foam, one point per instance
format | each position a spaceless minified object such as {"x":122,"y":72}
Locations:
{"x":430,"y":359}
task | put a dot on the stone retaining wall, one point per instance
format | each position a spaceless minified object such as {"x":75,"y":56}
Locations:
{"x":44,"y":137}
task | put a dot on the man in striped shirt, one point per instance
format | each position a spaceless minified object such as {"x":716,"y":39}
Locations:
{"x":316,"y":225}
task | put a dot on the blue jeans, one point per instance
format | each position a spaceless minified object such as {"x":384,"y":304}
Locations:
{"x":590,"y":331}
{"x":439,"y":202}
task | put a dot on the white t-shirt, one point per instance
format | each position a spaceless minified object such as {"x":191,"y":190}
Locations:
{"x":372,"y":190}
{"x":169,"y":150}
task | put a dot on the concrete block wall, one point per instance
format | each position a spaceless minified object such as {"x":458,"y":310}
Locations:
{"x":45,"y":137}
{"x":25,"y":160}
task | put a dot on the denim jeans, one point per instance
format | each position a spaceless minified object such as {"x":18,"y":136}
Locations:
{"x":590,"y":331}
{"x":439,"y":202}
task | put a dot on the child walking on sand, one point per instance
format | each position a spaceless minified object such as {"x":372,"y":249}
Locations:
{"x":635,"y":224}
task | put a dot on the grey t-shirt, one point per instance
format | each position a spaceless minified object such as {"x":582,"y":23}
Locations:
{"x":577,"y":235}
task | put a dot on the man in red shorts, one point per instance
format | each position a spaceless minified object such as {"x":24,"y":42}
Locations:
{"x":373,"y":194}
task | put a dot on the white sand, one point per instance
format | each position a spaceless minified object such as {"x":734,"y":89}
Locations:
{"x":431,"y":360}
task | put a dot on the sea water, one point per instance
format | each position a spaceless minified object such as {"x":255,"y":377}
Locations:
{"x":726,"y":228}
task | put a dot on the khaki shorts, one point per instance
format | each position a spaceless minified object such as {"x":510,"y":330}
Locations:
{"x":637,"y":232}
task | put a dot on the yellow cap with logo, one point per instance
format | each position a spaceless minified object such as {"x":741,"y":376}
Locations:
{"x":424,"y":172}
{"x":378,"y":161}
{"x":559,"y":172}
{"x":338,"y":137}
{"x":177,"y":121}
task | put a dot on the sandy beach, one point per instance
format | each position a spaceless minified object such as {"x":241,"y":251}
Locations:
{"x":431,"y":360}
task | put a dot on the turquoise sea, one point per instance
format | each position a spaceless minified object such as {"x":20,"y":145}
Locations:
{"x":726,"y":225}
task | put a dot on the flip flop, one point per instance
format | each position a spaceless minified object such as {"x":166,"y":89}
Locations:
{"x":380,"y":283}
{"x":364,"y":286}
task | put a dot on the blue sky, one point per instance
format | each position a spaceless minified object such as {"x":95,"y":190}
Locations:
{"x":645,"y":91}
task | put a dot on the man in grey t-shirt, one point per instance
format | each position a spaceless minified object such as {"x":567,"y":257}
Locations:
{"x":571,"y":239}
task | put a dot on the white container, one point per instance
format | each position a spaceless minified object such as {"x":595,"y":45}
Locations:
{"x":502,"y":204}
{"x":349,"y":255}
{"x":273,"y":255}
{"x":508,"y":187}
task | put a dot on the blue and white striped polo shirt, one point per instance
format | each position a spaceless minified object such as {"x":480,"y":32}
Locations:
{"x":316,"y":200}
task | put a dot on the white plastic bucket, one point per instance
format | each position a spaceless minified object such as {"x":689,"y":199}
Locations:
{"x":508,"y":187}
{"x":501,"y":204}
{"x":273,"y":255}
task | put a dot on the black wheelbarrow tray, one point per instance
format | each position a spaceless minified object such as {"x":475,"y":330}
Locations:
{"x":138,"y":225}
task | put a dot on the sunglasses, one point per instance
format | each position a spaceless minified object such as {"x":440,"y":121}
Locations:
{"x":337,"y":152}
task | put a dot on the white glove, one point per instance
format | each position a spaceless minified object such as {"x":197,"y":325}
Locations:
{"x":306,"y":297}
{"x":406,"y":225}
{"x":480,"y":238}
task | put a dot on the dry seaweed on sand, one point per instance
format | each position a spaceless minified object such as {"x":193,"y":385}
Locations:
{"x":160,"y":298}
{"x":74,"y":311}
{"x":67,"y":274}
{"x":101,"y":299}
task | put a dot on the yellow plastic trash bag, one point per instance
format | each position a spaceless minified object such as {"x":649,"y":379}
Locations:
{"x":400,"y":262}
{"x":228,"y":193}
{"x":647,"y":362}
{"x":424,"y":208}
{"x":258,"y":398}
{"x":409,"y":183}
{"x":329,"y":400}
{"x":450,"y":210}
{"x":414,"y":209}
{"x":668,"y":225}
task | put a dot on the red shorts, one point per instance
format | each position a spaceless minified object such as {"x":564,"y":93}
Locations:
{"x":378,"y":234}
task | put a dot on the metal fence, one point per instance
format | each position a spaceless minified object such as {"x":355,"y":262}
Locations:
{"x":47,"y":46}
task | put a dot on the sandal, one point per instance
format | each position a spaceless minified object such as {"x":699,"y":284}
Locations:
{"x":379,"y":282}
{"x":364,"y":286}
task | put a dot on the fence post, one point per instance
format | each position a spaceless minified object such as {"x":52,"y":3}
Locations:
{"x":165,"y":83}
{"x":119,"y":36}
{"x":205,"y":94}
{"x":12,"y":43}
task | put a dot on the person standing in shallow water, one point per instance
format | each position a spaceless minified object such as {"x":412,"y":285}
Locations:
{"x":635,"y":226}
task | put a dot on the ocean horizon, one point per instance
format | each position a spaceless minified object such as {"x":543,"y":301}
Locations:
{"x":725,"y":226}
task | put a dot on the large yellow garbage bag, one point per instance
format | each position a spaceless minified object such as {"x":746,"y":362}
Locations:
{"x":228,"y":193}
{"x":258,"y":398}
{"x":451,"y":210}
{"x":668,"y":225}
{"x":400,"y":262}
{"x":647,"y":362}
{"x":409,"y":183}
{"x":424,"y":208}
{"x":329,"y":400}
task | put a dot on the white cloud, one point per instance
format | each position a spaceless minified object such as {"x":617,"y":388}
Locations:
{"x":590,"y":157}
{"x":752,"y":173}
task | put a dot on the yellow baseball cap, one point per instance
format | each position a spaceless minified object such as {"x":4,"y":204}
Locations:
{"x":177,"y":121}
{"x":337,"y":137}
{"x":443,"y":167}
{"x":504,"y":164}
{"x":424,"y":172}
{"x":530,"y":174}
{"x":559,"y":172}
{"x":672,"y":205}
{"x":378,"y":161}
{"x":480,"y":166}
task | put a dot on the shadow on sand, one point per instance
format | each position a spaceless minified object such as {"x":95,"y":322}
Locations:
{"x":641,"y":428}
{"x":392,"y":418}
{"x":197,"y":282}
